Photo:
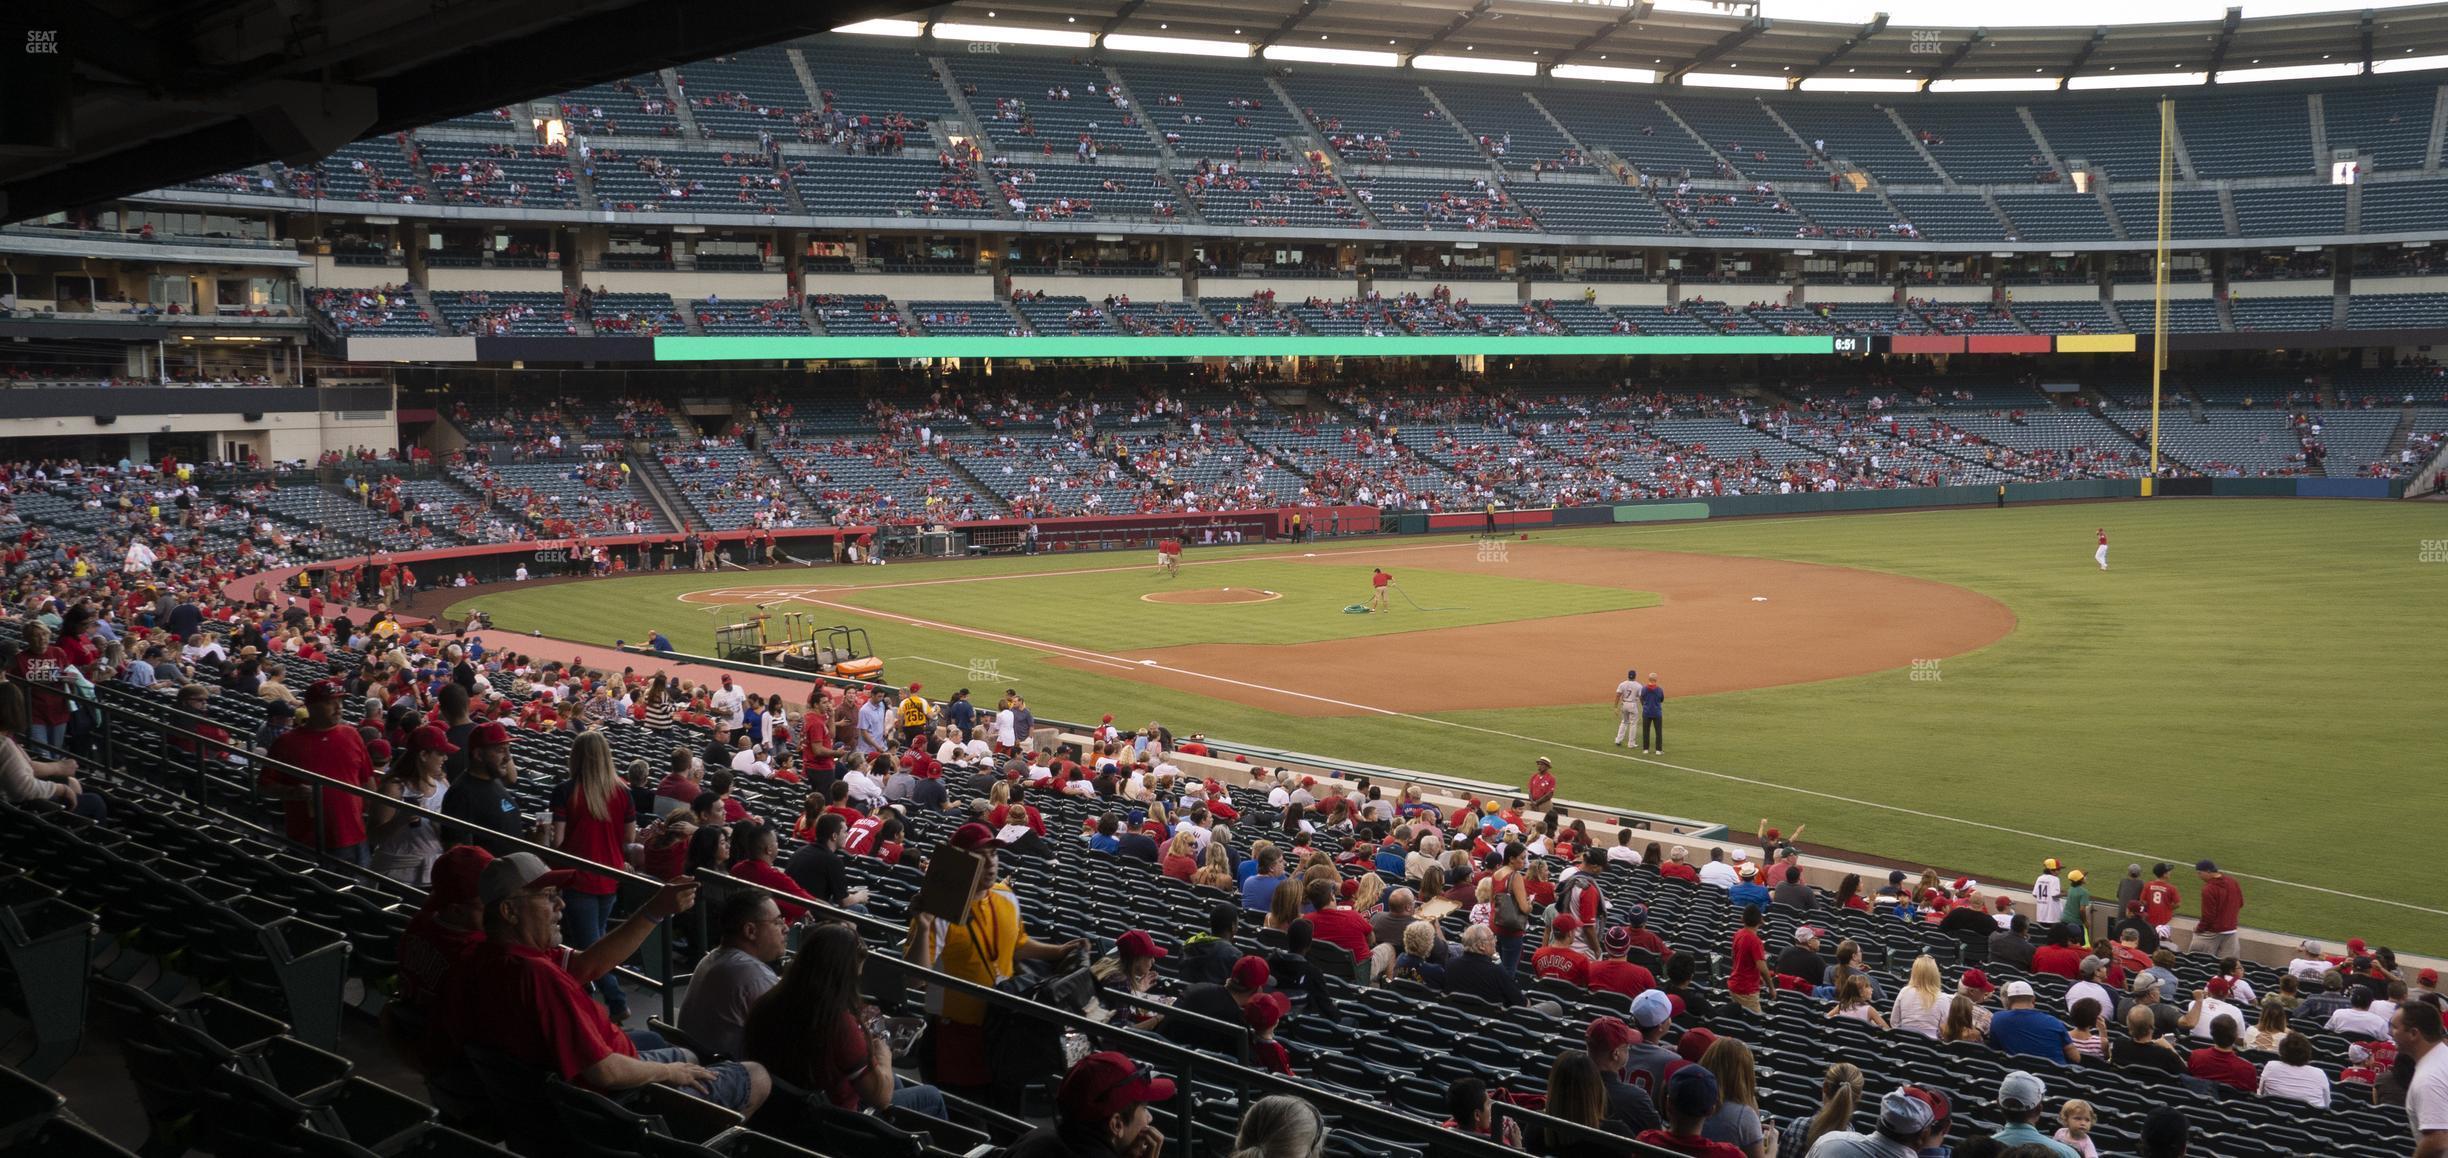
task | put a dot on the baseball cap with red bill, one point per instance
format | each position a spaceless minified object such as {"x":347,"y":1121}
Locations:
{"x":1137,"y":943}
{"x":1108,"y":1083}
{"x":489,"y":734}
{"x":1977,"y":980}
{"x":455,"y":875}
{"x":1266,"y":1010}
{"x":973,"y":836}
{"x":322,"y":690}
{"x":1250,"y":973}
{"x":432,"y":738}
{"x":517,"y":873}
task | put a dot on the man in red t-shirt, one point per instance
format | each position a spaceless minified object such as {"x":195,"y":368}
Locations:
{"x":2222,"y":905}
{"x":1542,"y":785}
{"x":1559,"y":957}
{"x":324,"y":746}
{"x":1378,"y":580}
{"x":1746,"y":982}
{"x":1168,"y":557}
{"x":2159,"y":900}
{"x":433,"y":944}
{"x":1335,"y":923}
{"x":2061,"y":956}
{"x":520,"y":993}
{"x":1678,"y":865}
{"x":1614,"y":974}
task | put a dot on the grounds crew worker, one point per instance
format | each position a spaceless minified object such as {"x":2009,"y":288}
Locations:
{"x":914,"y":713}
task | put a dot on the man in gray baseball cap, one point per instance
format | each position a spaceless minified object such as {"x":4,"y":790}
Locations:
{"x":1910,"y":1120}
{"x":2020,"y":1096}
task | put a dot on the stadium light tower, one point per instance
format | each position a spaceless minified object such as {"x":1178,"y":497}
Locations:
{"x":2159,"y":282}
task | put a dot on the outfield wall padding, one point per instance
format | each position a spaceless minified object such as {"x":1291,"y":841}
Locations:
{"x":1661,"y":511}
{"x":2241,"y":487}
{"x":1477,"y":520}
{"x":2342,"y":488}
{"x":1584,"y":516}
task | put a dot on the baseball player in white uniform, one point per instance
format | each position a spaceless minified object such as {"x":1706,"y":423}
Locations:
{"x":1627,"y":708}
{"x":2102,"y":553}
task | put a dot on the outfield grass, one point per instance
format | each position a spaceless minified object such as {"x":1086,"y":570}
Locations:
{"x":2250,"y":683}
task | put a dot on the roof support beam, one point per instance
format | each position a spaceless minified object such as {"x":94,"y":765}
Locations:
{"x":2367,"y":41}
{"x":1956,"y":56}
{"x":1860,"y":37}
{"x":1725,"y":44}
{"x":1128,"y":9}
{"x":1290,"y":23}
{"x":1637,"y":10}
{"x":2226,"y":36}
{"x":1454,"y":26}
{"x":2099,"y":36}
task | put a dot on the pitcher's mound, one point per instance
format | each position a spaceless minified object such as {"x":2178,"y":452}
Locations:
{"x":1212,"y":595}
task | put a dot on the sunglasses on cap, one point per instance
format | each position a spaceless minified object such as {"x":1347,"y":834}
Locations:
{"x":1140,"y":1073}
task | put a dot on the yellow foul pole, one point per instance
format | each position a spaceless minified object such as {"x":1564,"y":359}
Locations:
{"x":2159,"y":278}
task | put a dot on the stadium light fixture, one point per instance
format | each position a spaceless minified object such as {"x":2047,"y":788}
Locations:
{"x":1312,"y":55}
{"x":2410,"y":64}
{"x":883,"y":27}
{"x":2140,"y":80}
{"x":1604,"y":72}
{"x":1995,"y":84}
{"x":1014,"y":34}
{"x":1486,"y":64}
{"x":1732,"y":80}
{"x":1178,"y":45}
{"x":2288,"y":72}
{"x":1860,"y":84}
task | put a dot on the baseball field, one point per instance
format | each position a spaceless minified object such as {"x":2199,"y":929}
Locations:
{"x":2252,"y":681}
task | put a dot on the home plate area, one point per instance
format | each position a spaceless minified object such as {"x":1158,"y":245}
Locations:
{"x":731,"y":596}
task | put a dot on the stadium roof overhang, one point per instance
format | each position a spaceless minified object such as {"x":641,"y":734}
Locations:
{"x":1674,"y":37}
{"x":105,"y":97}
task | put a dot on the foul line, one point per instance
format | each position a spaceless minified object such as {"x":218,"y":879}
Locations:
{"x":2061,"y":841}
{"x":851,"y":588}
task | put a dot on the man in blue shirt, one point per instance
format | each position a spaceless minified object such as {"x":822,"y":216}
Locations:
{"x":2023,"y":1030}
{"x":659,"y":642}
{"x":1747,"y":889}
{"x":1258,"y":891}
{"x":2020,"y":1096}
{"x":961,"y":712}
{"x":1390,"y":858}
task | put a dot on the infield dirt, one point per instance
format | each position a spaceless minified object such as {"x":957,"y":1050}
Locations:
{"x":1724,"y":623}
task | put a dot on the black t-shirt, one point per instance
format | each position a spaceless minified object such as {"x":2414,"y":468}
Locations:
{"x":1482,"y":977}
{"x":1803,"y":963}
{"x":820,"y":872}
{"x":456,"y":764}
{"x":1138,"y":845}
{"x":1968,"y":922}
{"x":485,"y":804}
{"x":1213,"y":1001}
{"x":2126,"y":1052}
